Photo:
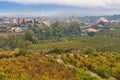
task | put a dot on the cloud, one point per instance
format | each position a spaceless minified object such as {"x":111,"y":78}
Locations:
{"x":81,"y":3}
{"x":82,"y":7}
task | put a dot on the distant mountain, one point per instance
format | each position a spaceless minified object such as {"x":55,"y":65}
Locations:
{"x":94,"y":18}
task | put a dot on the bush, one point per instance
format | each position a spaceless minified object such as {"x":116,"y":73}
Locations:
{"x":89,"y":50}
{"x":3,"y":76}
{"x":4,"y":56}
{"x":56,"y":50}
{"x":91,"y":33}
{"x":22,"y":52}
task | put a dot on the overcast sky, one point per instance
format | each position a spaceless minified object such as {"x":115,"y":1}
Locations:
{"x":59,"y":7}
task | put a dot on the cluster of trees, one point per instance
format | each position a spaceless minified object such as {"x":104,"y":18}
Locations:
{"x":57,"y":30}
{"x":39,"y":32}
{"x":12,"y":41}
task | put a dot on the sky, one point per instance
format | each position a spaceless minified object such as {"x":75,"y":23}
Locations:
{"x":54,"y":8}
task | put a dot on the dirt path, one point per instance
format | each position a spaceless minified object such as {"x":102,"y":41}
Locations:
{"x":94,"y":74}
{"x":59,"y":60}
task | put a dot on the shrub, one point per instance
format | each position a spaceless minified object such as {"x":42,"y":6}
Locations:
{"x":91,"y":33}
{"x":3,"y":76}
{"x":4,"y":56}
{"x":46,"y":74}
{"x":22,"y":52}
{"x":89,"y":50}
{"x":56,"y":50}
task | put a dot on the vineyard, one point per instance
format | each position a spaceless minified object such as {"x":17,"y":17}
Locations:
{"x":102,"y":44}
{"x":25,"y":65}
{"x":76,"y":58}
{"x":106,"y":65}
{"x":39,"y":67}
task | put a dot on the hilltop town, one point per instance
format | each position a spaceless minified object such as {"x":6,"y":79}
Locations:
{"x":23,"y":24}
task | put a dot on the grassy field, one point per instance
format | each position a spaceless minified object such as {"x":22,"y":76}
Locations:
{"x":102,"y":44}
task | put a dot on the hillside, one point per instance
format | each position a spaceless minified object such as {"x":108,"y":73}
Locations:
{"x":39,"y":67}
{"x":72,"y":66}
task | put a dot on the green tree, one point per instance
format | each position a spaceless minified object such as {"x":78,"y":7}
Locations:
{"x":30,"y":36}
{"x":9,"y":41}
{"x":24,"y":44}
